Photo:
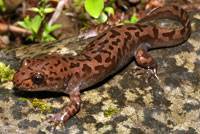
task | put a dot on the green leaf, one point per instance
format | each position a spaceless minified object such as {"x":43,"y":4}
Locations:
{"x":41,"y":11}
{"x":27,"y":22}
{"x":36,"y":22}
{"x":31,"y":37}
{"x":134,"y":19}
{"x":94,"y":7}
{"x":2,"y":6}
{"x":109,"y":10}
{"x":34,"y":9}
{"x":48,"y":10}
{"x":22,"y":24}
{"x":34,"y":36}
{"x":53,"y":27}
{"x":103,"y":18}
{"x":48,"y":38}
{"x":48,"y":29}
{"x":119,"y":24}
{"x":127,"y":21}
{"x":46,"y":1}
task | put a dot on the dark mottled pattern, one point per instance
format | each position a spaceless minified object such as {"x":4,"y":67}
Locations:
{"x":65,"y":69}
{"x":86,"y":68}
{"x":46,"y":63}
{"x":64,"y":59}
{"x":40,"y":59}
{"x":71,"y":58}
{"x":77,"y":75}
{"x":87,"y":58}
{"x":131,"y":28}
{"x":126,"y":43}
{"x":58,"y":78}
{"x":72,"y":65}
{"x":139,"y":27}
{"x":99,"y":68}
{"x":104,"y":51}
{"x":119,"y":54}
{"x":137,"y":34}
{"x":30,"y":68}
{"x":156,"y":32}
{"x":51,"y":72}
{"x":100,"y":37}
{"x":98,"y":58}
{"x":36,"y":65}
{"x":43,"y":68}
{"x":170,"y":34}
{"x":111,"y":47}
{"x":114,"y":33}
{"x":57,"y":63}
{"x":116,"y":42}
{"x":102,"y":44}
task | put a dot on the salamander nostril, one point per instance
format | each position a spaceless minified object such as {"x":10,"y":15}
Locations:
{"x":23,"y":73}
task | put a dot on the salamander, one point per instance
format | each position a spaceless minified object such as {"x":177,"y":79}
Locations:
{"x":102,"y":57}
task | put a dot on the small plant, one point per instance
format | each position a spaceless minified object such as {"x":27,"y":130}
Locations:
{"x":42,"y":10}
{"x":134,"y":19}
{"x":96,"y":9}
{"x":35,"y":24}
{"x":110,"y":111}
{"x":6,"y":74}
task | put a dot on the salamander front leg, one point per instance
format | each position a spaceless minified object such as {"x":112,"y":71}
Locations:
{"x":63,"y":116}
{"x":147,"y":64}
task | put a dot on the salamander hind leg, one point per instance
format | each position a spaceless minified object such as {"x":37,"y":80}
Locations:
{"x":147,"y":65}
{"x":65,"y":114}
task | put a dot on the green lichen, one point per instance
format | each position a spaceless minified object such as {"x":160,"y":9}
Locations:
{"x":6,"y":74}
{"x":38,"y":104}
{"x":110,"y":111}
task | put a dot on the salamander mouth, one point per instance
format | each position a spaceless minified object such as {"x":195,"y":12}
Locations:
{"x":21,"y":85}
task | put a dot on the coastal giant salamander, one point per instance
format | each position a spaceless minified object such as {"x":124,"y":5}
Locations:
{"x":104,"y":56}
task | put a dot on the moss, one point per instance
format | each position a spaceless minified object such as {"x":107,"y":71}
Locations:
{"x":38,"y":104}
{"x":6,"y":74}
{"x":110,"y":111}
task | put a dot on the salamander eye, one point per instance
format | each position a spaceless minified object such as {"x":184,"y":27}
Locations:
{"x":37,"y":78}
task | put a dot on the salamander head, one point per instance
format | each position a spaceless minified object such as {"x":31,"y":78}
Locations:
{"x":39,"y":74}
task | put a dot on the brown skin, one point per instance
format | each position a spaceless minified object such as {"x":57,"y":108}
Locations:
{"x":103,"y":57}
